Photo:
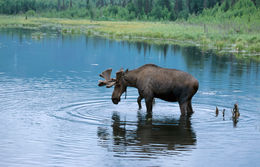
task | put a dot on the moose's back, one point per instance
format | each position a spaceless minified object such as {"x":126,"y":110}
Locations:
{"x":166,"y":84}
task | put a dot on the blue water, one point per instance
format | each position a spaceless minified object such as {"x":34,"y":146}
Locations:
{"x":52,"y":113}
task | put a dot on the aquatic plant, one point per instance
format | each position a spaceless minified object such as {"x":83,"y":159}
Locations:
{"x":220,"y":45}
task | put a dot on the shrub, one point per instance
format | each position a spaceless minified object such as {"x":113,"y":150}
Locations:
{"x":30,"y":13}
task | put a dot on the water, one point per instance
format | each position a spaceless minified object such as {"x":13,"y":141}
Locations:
{"x":52,"y":113}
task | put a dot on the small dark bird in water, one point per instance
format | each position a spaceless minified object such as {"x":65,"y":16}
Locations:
{"x":217,"y":111}
{"x":235,"y":111}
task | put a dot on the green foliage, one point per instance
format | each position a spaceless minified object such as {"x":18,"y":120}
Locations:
{"x":242,"y":16}
{"x":129,"y":9}
{"x":30,"y":13}
{"x":207,"y":36}
{"x":134,"y":9}
{"x":220,"y":45}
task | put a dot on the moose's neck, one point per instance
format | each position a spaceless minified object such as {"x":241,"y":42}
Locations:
{"x":131,"y":78}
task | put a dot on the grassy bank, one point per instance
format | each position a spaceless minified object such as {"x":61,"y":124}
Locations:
{"x":221,"y":37}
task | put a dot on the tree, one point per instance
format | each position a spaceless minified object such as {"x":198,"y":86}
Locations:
{"x":205,"y":4}
{"x":188,"y":5}
{"x":58,"y":4}
{"x":63,"y":4}
{"x":129,"y":9}
{"x":87,"y":4}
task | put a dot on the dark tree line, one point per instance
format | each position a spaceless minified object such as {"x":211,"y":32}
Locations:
{"x":121,"y":9}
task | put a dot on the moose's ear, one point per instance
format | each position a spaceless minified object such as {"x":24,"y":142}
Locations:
{"x":126,"y":70}
{"x":119,"y":74}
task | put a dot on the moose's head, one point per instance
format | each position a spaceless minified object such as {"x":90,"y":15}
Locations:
{"x":119,"y":82}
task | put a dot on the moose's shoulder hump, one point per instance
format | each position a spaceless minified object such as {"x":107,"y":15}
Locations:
{"x":150,"y":65}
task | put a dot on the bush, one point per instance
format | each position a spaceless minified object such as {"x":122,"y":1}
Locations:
{"x":183,"y":15}
{"x":131,"y":16}
{"x":122,"y":13}
{"x":30,"y":13}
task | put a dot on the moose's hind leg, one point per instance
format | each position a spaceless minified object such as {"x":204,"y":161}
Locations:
{"x":183,"y":107}
{"x":139,"y":100}
{"x":190,"y":110}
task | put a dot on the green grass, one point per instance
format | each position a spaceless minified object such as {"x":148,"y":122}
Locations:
{"x":220,"y":37}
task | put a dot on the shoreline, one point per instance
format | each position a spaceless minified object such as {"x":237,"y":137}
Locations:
{"x":204,"y":36}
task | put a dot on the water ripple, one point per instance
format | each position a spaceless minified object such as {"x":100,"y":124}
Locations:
{"x":84,"y":112}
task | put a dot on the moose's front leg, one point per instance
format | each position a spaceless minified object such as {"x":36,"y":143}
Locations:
{"x":139,"y":100}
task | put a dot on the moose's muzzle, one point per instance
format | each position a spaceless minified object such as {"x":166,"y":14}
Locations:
{"x":115,"y":100}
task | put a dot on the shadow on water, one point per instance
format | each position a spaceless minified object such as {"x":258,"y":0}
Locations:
{"x":148,"y":137}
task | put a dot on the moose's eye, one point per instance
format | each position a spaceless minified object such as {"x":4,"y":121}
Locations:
{"x":118,"y":85}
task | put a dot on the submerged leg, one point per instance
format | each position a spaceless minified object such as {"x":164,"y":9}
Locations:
{"x":139,"y":99}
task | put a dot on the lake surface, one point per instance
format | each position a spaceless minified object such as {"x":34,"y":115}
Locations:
{"x":52,"y":113}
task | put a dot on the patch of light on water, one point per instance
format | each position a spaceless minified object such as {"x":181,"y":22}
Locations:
{"x":94,"y":64}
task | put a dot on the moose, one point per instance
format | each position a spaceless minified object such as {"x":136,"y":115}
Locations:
{"x":152,"y":82}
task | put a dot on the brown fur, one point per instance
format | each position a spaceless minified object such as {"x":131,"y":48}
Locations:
{"x":155,"y":82}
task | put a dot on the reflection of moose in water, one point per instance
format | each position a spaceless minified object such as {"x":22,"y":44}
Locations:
{"x":148,"y":137}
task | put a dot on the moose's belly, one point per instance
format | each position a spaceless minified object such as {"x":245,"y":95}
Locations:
{"x":171,"y":97}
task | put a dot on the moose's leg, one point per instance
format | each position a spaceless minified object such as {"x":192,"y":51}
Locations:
{"x":190,"y":110}
{"x":139,"y":99}
{"x":183,"y":107}
{"x":149,"y":104}
{"x":153,"y":101}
